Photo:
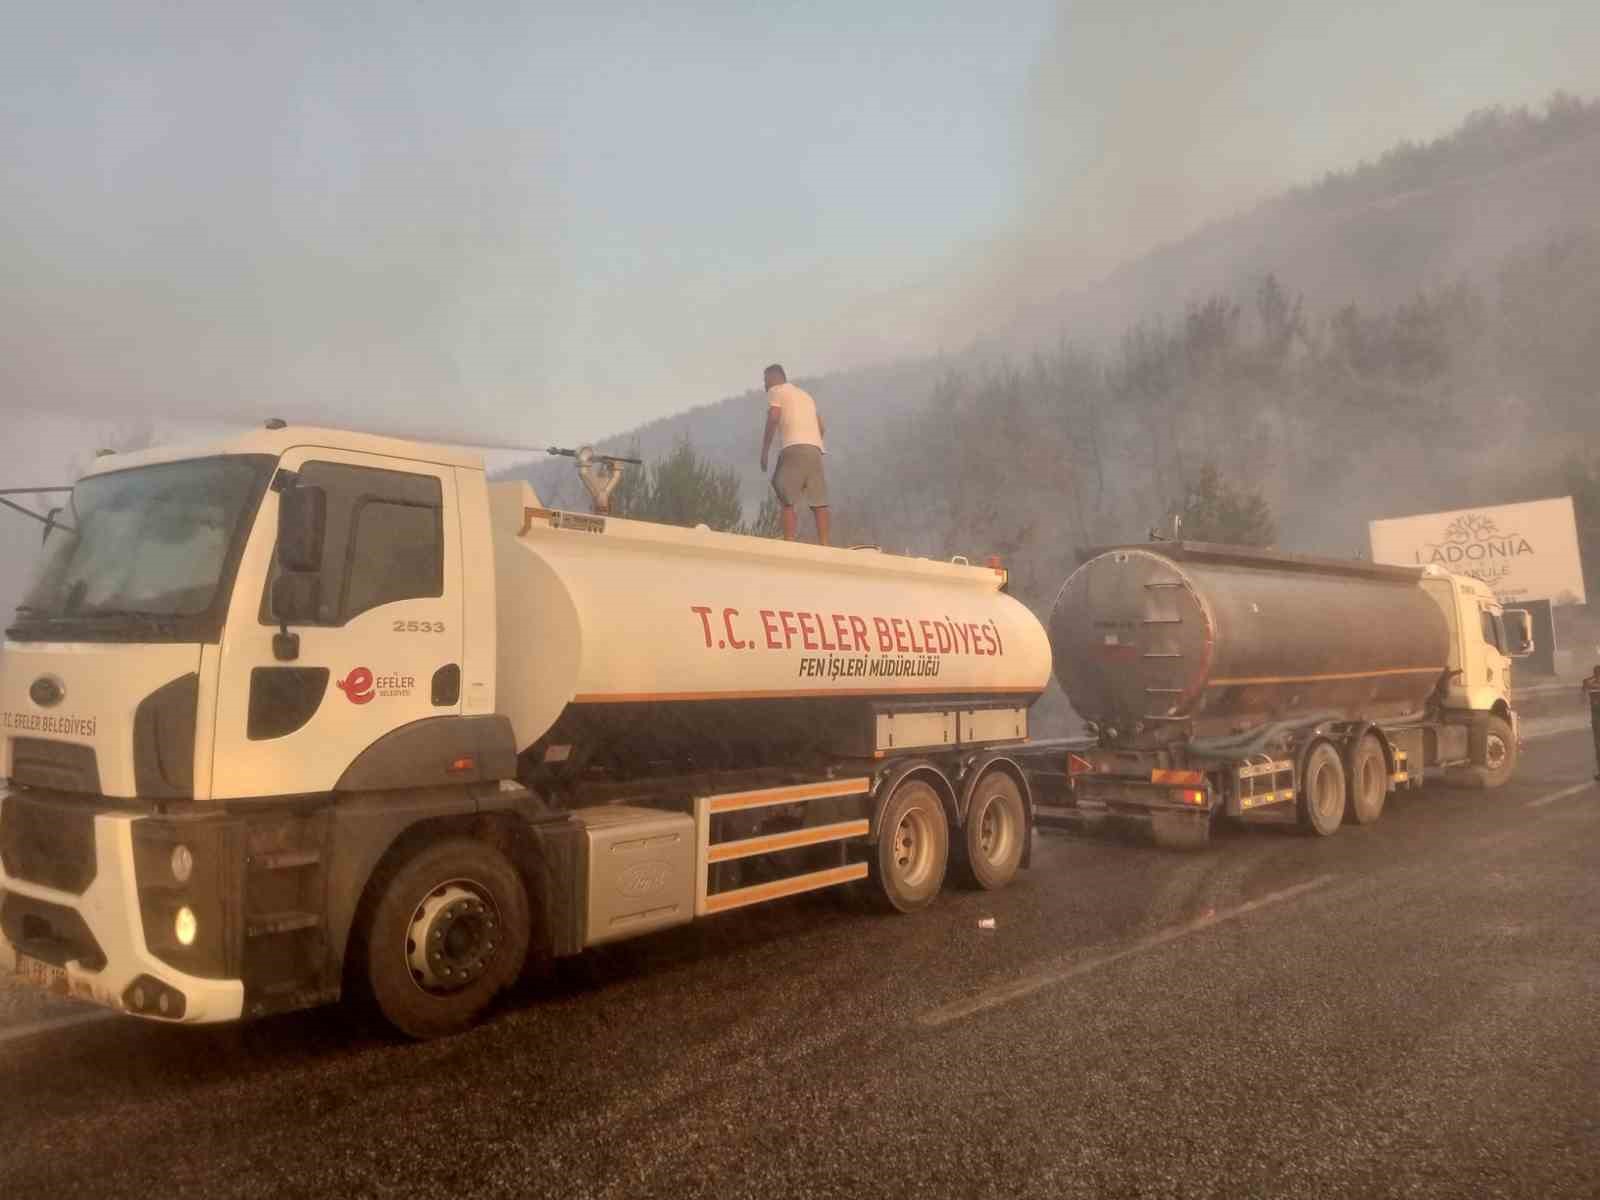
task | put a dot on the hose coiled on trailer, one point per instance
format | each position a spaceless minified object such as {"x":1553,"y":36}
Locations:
{"x":1243,"y":745}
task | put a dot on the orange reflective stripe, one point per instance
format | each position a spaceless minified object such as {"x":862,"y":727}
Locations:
{"x":794,"y":885}
{"x":794,"y":838}
{"x":1242,"y":682}
{"x":795,"y":794}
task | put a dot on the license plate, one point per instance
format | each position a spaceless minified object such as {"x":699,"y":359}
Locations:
{"x":42,"y":974}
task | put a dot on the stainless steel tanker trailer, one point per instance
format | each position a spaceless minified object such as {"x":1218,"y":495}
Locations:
{"x":1226,"y":681}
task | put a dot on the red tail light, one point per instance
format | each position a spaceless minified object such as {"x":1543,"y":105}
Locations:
{"x":1187,"y":778}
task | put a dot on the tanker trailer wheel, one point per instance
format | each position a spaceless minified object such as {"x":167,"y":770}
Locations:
{"x":913,"y":847}
{"x":1369,"y":782}
{"x":1322,"y":798}
{"x":448,"y":930}
{"x":997,"y":823}
{"x":1500,"y":758}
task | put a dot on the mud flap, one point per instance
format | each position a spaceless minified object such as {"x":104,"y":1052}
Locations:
{"x":1478,"y":739}
{"x":1181,"y":830}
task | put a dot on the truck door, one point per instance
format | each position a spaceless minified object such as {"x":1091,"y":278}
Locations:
{"x":1497,"y":663}
{"x":384,"y":649}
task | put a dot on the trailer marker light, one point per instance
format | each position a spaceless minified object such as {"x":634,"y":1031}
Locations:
{"x":182,"y":863}
{"x":460,"y":766}
{"x":1192,"y":796}
{"x":184,"y":926}
{"x":1078,"y":765}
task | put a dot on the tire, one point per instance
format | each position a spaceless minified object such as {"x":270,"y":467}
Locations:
{"x":995,"y":832}
{"x":463,"y":896}
{"x":913,"y":848}
{"x":1368,"y":783}
{"x":1500,"y":750}
{"x":1322,"y":792}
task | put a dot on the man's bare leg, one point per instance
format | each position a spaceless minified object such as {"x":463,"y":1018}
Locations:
{"x":790,"y":524}
{"x":821,"y":514}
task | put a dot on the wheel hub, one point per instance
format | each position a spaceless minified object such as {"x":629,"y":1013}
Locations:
{"x":905,"y":844}
{"x":1494,"y":752}
{"x":452,"y":938}
{"x":989,"y":830}
{"x":1326,"y":793}
{"x":912,"y":846}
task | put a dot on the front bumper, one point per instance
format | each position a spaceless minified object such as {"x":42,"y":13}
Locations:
{"x":109,"y":909}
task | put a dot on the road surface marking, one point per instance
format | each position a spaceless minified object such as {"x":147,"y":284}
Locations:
{"x":1561,"y":795}
{"x":1569,"y":725}
{"x":37,"y":1027}
{"x":1005,"y":993}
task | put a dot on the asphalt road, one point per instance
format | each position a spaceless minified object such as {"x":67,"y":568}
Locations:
{"x":1408,"y":1009}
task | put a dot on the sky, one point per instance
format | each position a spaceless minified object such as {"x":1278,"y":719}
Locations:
{"x":541,"y":223}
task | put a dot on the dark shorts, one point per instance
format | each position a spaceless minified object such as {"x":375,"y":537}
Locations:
{"x":799,"y":477}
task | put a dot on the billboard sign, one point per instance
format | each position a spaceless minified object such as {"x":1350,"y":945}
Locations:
{"x":1523,"y":551}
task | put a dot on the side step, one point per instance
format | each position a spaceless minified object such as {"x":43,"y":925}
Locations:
{"x":267,"y":924}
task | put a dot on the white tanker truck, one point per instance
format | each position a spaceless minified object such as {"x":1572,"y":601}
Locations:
{"x":309,"y":709}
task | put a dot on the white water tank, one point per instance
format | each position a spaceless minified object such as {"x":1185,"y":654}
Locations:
{"x":645,"y":639}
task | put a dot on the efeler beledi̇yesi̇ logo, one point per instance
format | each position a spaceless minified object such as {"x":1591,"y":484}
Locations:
{"x":361,"y":685}
{"x":1473,"y":544}
{"x":357,"y":685}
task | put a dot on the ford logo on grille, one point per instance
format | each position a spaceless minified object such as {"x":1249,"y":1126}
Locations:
{"x":47,"y":691}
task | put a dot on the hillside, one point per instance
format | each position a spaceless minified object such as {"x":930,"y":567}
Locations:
{"x":1374,"y":236}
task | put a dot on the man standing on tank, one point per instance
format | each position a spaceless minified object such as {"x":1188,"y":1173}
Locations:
{"x":792,"y":414}
{"x":1591,"y":689}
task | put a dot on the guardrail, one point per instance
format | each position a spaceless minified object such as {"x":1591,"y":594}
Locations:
{"x":708,"y":853}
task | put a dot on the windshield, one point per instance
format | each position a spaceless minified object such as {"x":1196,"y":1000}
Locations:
{"x":151,"y":541}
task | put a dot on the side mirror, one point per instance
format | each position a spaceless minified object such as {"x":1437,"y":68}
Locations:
{"x":294,"y":602}
{"x":294,"y":599}
{"x":302,"y":518}
{"x":1519,"y":632}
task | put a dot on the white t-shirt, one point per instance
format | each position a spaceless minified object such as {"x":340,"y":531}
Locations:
{"x":797,"y":416}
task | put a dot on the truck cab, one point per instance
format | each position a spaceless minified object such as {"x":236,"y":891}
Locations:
{"x":147,"y":684}
{"x":1484,"y":639}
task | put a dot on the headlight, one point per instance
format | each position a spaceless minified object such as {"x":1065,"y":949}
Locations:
{"x":182,"y":863}
{"x":184,"y":926}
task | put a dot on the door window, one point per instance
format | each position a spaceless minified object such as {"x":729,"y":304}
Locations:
{"x":1491,"y":630}
{"x":384,"y":540}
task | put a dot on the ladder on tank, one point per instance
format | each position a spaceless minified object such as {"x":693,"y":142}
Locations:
{"x":1161,"y":587}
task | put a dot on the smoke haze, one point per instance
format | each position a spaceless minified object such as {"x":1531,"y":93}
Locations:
{"x":551,"y":223}
{"x":555,"y":223}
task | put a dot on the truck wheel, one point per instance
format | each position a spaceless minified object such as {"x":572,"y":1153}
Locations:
{"x":1369,"y":782}
{"x":913,"y":847}
{"x":1500,"y":754}
{"x":1322,"y":797}
{"x":449,"y":930}
{"x":997,"y":823}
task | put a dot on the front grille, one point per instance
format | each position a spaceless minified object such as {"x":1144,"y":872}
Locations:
{"x":48,"y":841}
{"x":49,"y":932}
{"x":60,"y":766}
